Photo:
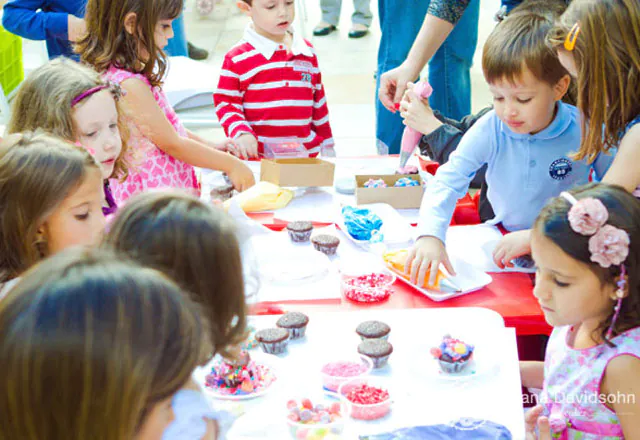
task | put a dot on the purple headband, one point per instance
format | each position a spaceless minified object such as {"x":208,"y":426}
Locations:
{"x":88,"y":93}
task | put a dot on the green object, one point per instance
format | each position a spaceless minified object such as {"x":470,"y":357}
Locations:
{"x":11,"y":69}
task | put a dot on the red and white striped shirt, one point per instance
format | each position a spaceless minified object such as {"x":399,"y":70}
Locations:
{"x":273,"y":94}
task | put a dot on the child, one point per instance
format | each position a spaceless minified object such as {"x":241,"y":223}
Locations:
{"x":525,"y":142}
{"x":586,"y":245}
{"x":195,"y":245}
{"x":270,"y":89}
{"x":124,"y":42}
{"x":50,"y":197}
{"x":599,"y":44}
{"x":96,"y":347}
{"x":71,"y":101}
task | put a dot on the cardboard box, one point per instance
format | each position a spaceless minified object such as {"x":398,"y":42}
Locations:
{"x":398,"y":197}
{"x":297,"y":172}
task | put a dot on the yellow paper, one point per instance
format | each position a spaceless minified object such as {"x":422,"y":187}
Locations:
{"x":396,"y":261}
{"x":263,"y":196}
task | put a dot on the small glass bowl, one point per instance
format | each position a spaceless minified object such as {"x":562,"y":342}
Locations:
{"x":361,"y":411}
{"x":367,"y":286}
{"x":331,"y":382}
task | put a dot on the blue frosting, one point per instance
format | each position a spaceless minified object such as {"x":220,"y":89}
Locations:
{"x":361,"y":222}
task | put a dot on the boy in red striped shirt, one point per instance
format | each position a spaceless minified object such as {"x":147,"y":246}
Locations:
{"x":270,"y":89}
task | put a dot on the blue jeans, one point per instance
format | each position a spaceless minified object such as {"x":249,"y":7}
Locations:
{"x":177,"y":46}
{"x":448,"y":69}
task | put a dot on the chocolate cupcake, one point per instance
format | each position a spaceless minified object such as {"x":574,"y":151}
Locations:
{"x":299,"y":231}
{"x":453,"y":355}
{"x":371,"y":330}
{"x":295,"y":323}
{"x":273,"y":340}
{"x":377,"y":350}
{"x":325,"y":243}
{"x":221,"y":193}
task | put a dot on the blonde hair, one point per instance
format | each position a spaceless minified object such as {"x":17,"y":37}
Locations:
{"x":517,"y":42}
{"x":607,"y":57}
{"x":89,"y":344}
{"x":44,"y":101}
{"x":107,"y":41}
{"x":37,"y":172}
{"x":195,"y":245}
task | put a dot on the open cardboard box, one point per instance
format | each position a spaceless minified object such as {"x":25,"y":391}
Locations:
{"x":399,"y":197}
{"x":297,"y":172}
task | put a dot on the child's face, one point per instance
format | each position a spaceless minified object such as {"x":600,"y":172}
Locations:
{"x":567,"y":290}
{"x":78,"y":220}
{"x":272,"y":18}
{"x":568,"y":61}
{"x":163,"y":33}
{"x":526,"y":106}
{"x":96,"y":120}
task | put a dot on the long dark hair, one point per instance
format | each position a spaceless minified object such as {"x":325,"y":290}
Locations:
{"x":624,"y":213}
{"x":193,"y":243}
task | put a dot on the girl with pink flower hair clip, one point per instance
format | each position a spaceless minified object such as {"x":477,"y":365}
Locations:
{"x":586,"y":245}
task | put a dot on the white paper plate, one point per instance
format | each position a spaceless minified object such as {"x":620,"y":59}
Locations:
{"x":270,"y":361}
{"x":396,"y":230}
{"x":468,"y":279}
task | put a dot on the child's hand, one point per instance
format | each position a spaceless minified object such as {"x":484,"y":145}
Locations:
{"x":241,"y":176}
{"x":513,"y":245}
{"x":246,"y":146}
{"x":228,"y":146}
{"x":417,"y":113}
{"x":427,"y":254}
{"x":531,"y":420}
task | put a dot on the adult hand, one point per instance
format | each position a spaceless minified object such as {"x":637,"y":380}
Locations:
{"x":417,"y":113}
{"x":393,"y":84}
{"x":76,"y":28}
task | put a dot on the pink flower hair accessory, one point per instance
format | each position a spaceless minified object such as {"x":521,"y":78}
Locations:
{"x":608,"y":244}
{"x":91,"y":151}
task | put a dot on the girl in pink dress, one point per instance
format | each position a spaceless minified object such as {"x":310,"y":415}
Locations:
{"x":124,"y":41}
{"x":586,"y":245}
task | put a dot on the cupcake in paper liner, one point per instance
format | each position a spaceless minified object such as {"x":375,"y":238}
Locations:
{"x":295,"y":323}
{"x":377,"y":350}
{"x":273,"y":340}
{"x":453,"y":355}
{"x":300,"y":231}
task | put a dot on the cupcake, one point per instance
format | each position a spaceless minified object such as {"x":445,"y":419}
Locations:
{"x":273,"y":340}
{"x":452,"y":354}
{"x":377,"y":350}
{"x":221,"y":193}
{"x":327,"y":244}
{"x":299,"y":231}
{"x":371,"y":330}
{"x":295,"y":323}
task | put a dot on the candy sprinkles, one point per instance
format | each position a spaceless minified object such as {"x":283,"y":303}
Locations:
{"x":373,"y":287}
{"x":241,"y":380}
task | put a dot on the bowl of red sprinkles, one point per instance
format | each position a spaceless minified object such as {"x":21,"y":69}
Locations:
{"x":368,"y":287}
{"x":368,"y":397}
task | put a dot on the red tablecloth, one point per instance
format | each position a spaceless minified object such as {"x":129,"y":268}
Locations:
{"x":509,"y":294}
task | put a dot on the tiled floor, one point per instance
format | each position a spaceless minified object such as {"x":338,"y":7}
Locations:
{"x":347,"y":65}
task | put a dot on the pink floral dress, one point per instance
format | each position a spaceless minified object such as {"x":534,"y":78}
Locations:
{"x":149,"y":166}
{"x":573,"y":401}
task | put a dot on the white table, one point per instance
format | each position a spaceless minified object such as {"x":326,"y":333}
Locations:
{"x":419,"y":399}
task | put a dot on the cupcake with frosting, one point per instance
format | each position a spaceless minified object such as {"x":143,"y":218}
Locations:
{"x":452,"y":354}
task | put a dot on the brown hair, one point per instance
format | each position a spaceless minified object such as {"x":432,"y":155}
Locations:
{"x":624,"y":213}
{"x":44,"y":102}
{"x":607,"y":56}
{"x":518,"y":42}
{"x":193,"y":243}
{"x":89,"y":343}
{"x":37,"y":172}
{"x":107,"y":41}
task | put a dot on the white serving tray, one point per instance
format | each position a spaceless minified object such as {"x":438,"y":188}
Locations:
{"x":468,"y":279}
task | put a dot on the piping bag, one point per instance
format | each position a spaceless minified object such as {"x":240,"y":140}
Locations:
{"x":410,"y":137}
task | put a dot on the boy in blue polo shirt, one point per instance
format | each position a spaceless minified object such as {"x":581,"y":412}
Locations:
{"x":526,"y":142}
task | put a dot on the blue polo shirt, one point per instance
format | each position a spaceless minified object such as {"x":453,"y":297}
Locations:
{"x":44,"y":20}
{"x":523,"y":171}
